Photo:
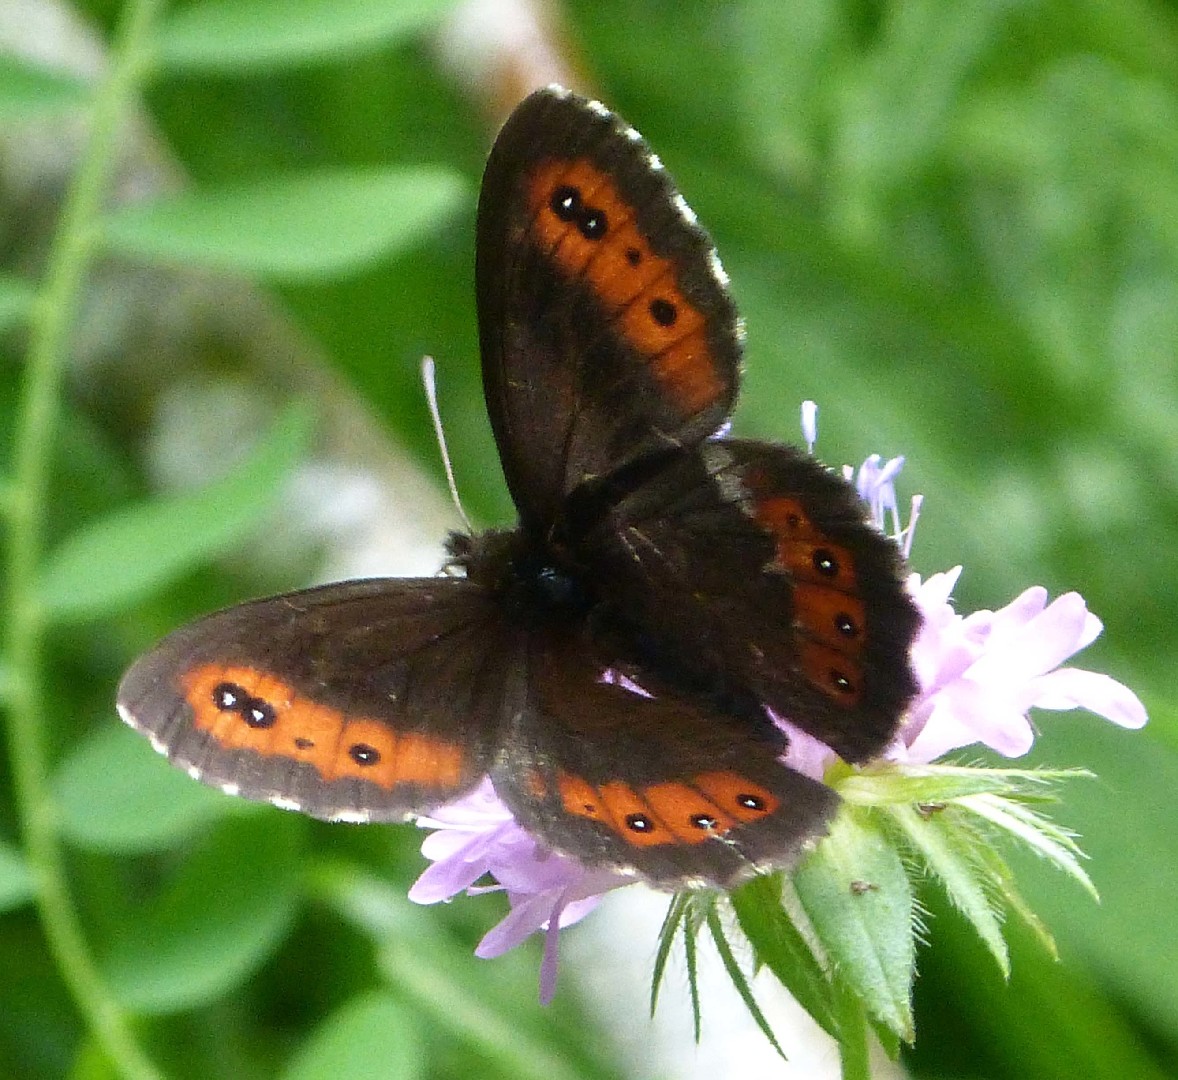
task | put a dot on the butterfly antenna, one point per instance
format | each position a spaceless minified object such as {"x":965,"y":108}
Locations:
{"x":430,"y":382}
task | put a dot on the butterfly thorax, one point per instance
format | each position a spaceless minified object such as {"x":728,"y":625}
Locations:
{"x":538,"y":583}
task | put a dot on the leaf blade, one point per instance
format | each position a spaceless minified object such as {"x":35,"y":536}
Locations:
{"x":293,"y":228}
{"x":115,"y":795}
{"x":371,"y":1035}
{"x":940,"y":847}
{"x":253,"y":35}
{"x":780,"y":946}
{"x":118,"y":560}
{"x":28,"y":90}
{"x":17,"y":887}
{"x":856,"y":893}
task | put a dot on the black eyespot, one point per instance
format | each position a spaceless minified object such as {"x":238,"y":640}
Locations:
{"x":304,"y":743}
{"x":845,"y":625}
{"x":842,"y":683}
{"x":825,"y":563}
{"x":703,"y":821}
{"x":258,"y":713}
{"x":228,"y":696}
{"x":363,"y":754}
{"x":633,"y":256}
{"x":640,"y":823}
{"x":663,"y":312}
{"x":751,"y":802}
{"x":593,"y":224}
{"x":565,"y":202}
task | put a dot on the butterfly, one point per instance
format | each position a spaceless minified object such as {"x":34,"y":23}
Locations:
{"x":615,"y":662}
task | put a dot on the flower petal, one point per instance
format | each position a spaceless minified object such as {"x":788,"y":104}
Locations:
{"x":1075,"y":688}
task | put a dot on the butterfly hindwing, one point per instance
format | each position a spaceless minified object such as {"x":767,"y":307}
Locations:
{"x":367,"y":700}
{"x":795,"y":597}
{"x":648,"y":782}
{"x":606,"y":329}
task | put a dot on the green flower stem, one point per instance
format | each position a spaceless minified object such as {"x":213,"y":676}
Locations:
{"x":854,"y":1054}
{"x":51,"y":323}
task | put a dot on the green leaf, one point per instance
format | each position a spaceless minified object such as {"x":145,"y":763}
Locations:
{"x":1034,"y":831}
{"x":115,"y":794}
{"x":948,"y":851}
{"x":691,"y":925}
{"x":241,"y":35}
{"x":779,"y":945}
{"x":739,"y":979}
{"x":16,"y":297}
{"x":667,"y":933}
{"x":856,"y":893}
{"x":293,"y":227}
{"x":225,"y":911}
{"x":27,"y":90}
{"x":469,"y":1002}
{"x":371,"y":1036}
{"x":16,"y":880}
{"x":118,"y":560}
{"x":1002,"y":881}
{"x":879,"y":785}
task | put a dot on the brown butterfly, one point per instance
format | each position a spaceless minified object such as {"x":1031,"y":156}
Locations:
{"x":611,"y":660}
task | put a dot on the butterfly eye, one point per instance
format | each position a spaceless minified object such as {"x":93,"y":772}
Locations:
{"x":259,"y":713}
{"x":845,"y":625}
{"x":228,"y":696}
{"x":566,"y":202}
{"x":663,"y":312}
{"x":363,"y":754}
{"x":825,"y":563}
{"x":841,"y":682}
{"x":640,"y":823}
{"x":593,"y":224}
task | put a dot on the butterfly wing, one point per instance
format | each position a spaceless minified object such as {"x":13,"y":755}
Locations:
{"x":793,"y":596}
{"x":362,"y":701}
{"x":649,"y":784}
{"x":605,"y":326}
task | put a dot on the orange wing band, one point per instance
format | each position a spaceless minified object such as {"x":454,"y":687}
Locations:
{"x":243,"y":708}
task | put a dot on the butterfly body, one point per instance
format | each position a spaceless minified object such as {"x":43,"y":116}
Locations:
{"x":616,"y":662}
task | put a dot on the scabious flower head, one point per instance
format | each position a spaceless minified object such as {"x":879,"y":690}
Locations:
{"x":476,"y":836}
{"x":978,"y":677}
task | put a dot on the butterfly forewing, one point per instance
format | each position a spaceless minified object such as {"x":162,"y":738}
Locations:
{"x":362,"y":701}
{"x":606,"y":330}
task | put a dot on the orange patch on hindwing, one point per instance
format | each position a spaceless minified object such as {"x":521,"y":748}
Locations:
{"x":669,"y":812}
{"x":581,"y":219}
{"x":827,"y":609}
{"x":243,"y":708}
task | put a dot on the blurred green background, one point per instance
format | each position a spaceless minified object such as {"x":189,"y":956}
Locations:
{"x":953,"y":224}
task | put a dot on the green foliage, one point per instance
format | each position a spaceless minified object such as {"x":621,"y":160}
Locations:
{"x":256,"y":35}
{"x":153,"y":807}
{"x":28,"y":90}
{"x":372,"y":1035}
{"x":955,"y":225}
{"x":16,"y":883}
{"x":854,"y":890}
{"x":118,"y":560}
{"x":292,"y":228}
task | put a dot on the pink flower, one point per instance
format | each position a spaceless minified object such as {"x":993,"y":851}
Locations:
{"x":476,"y":836}
{"x":979,"y":676}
